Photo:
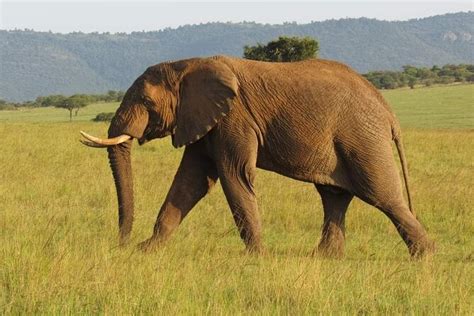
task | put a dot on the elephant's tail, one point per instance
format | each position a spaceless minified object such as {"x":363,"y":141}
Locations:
{"x":401,"y":153}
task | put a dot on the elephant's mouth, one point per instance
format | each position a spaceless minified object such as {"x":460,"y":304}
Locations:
{"x":152,"y":132}
{"x":143,"y":140}
{"x":147,"y":135}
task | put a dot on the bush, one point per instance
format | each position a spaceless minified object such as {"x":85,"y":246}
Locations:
{"x":445,"y":80}
{"x":284,"y":49}
{"x":428,"y":82}
{"x":104,"y":117}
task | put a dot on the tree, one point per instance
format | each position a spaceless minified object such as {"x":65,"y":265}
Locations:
{"x":284,"y":49}
{"x":74,"y":102}
{"x":410,"y":70}
{"x":120,"y":96}
{"x":387,"y":81}
{"x":51,"y":100}
{"x":111,"y":96}
{"x":435,"y":69}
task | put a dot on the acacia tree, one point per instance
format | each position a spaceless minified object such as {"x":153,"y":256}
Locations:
{"x":284,"y":49}
{"x":74,"y":102}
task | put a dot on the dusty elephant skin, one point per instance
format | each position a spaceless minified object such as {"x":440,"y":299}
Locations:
{"x":316,"y":121}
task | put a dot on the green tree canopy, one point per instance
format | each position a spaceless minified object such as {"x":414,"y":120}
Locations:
{"x":284,"y":49}
{"x":74,"y":102}
{"x":50,"y":100}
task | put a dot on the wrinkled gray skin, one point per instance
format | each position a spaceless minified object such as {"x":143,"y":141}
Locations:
{"x":316,"y":121}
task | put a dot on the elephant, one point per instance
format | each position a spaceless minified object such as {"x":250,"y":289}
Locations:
{"x":316,"y":121}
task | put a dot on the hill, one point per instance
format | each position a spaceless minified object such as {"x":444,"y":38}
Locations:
{"x":40,"y":63}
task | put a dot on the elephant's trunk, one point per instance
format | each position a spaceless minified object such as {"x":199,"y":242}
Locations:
{"x":130,"y":121}
{"x":120,"y":162}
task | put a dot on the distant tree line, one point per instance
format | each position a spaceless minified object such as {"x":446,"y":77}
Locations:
{"x":73,"y":103}
{"x":278,"y":50}
{"x":412,"y":76}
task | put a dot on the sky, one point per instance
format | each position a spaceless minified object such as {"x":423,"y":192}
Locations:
{"x":146,"y":15}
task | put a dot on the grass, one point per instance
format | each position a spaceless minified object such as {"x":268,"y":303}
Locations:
{"x":58,"y":229}
{"x":434,"y":107}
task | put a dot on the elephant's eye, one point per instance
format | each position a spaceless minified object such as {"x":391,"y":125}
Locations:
{"x":147,"y":102}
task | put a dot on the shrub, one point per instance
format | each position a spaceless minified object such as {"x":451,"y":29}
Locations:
{"x":104,"y":117}
{"x":284,"y":49}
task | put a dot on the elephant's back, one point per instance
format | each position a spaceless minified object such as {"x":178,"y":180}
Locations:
{"x":322,"y":73}
{"x":323,"y":96}
{"x":328,"y":76}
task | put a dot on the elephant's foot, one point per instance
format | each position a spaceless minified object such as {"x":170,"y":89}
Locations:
{"x":149,"y":245}
{"x":332,"y":251}
{"x":421,"y":248}
{"x":257,"y":250}
{"x":123,"y":242}
{"x":331,"y":244}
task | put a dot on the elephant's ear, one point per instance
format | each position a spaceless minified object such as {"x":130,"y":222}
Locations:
{"x":207,"y":94}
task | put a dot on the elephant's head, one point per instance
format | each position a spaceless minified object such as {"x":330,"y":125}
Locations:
{"x":184,"y":99}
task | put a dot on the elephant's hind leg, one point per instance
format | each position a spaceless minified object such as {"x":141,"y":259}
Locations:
{"x":335,"y":204}
{"x":377,"y":182}
{"x":409,"y":228}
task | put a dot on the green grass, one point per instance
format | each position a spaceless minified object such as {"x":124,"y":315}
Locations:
{"x":58,"y":229}
{"x":434,"y":107}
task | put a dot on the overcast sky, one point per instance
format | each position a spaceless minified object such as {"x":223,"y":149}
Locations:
{"x":127,"y":16}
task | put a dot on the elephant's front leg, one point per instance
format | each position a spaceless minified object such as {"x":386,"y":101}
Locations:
{"x":195,"y":177}
{"x":236,"y":167}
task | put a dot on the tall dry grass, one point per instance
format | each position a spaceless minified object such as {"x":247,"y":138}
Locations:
{"x":58,"y":229}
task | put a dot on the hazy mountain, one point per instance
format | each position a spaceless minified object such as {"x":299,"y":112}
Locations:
{"x":41,"y":63}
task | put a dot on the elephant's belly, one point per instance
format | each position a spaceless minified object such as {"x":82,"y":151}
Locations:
{"x":316,"y":163}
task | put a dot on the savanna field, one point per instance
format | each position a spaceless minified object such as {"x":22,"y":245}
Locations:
{"x":58,"y":228}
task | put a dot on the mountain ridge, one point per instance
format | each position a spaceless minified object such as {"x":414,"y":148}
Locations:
{"x":43,"y":63}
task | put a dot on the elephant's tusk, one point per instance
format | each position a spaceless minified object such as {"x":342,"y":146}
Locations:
{"x":105,"y":142}
{"x":91,"y":144}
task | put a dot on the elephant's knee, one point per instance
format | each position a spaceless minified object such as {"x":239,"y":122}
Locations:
{"x":247,"y":177}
